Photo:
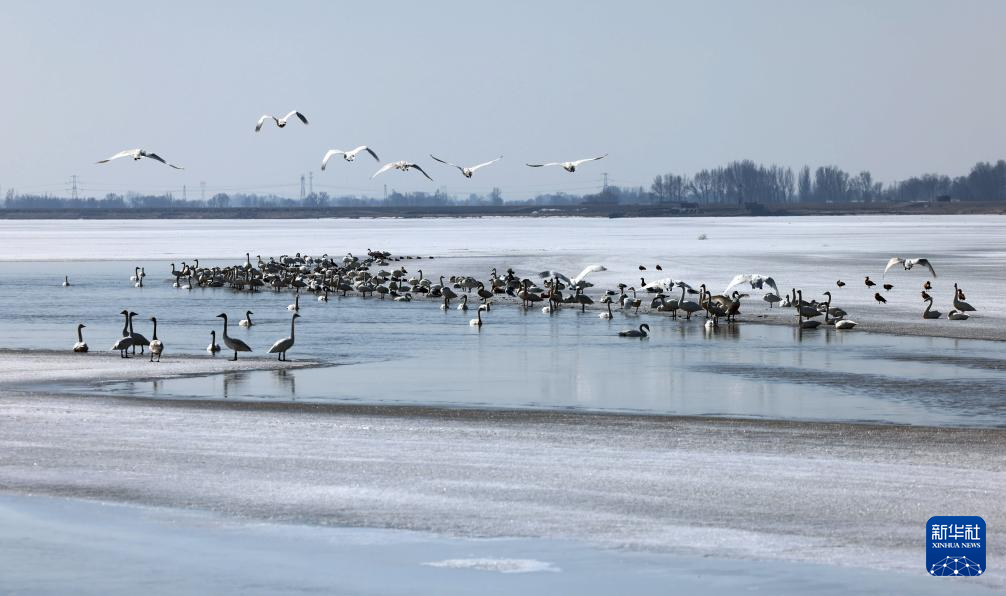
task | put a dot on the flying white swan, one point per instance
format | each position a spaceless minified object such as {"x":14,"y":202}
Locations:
{"x":280,"y":122}
{"x":136,"y":154}
{"x":347,"y":155}
{"x":399,"y":165}
{"x":576,"y":280}
{"x":467,"y":172}
{"x":668,"y":284}
{"x":758,"y":282}
{"x":569,"y":166}
{"x":909,"y":263}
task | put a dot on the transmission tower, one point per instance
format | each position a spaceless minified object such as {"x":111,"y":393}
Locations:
{"x":73,"y":188}
{"x":604,"y":185}
{"x":185,"y":195}
{"x":302,"y":187}
{"x":310,"y":183}
{"x":385,"y":192}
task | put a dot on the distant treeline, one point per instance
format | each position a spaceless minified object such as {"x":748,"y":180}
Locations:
{"x":739,"y":182}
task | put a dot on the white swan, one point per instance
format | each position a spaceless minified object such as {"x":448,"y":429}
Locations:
{"x":954,"y":315}
{"x":247,"y":321}
{"x":295,"y":307}
{"x":404,"y":166}
{"x":66,"y":281}
{"x":606,"y":315}
{"x":845,"y":324}
{"x":569,"y":166}
{"x":281,"y":346}
{"x":909,"y":263}
{"x":477,"y":322}
{"x":756,"y":281}
{"x":80,"y":346}
{"x":280,"y":122}
{"x":467,"y":171}
{"x":575,"y":281}
{"x":156,"y":345}
{"x":347,"y":155}
{"x":214,"y":347}
{"x":233,"y":343}
{"x":136,"y":154}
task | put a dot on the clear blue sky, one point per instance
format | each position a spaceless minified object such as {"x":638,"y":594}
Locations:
{"x":898,"y":87}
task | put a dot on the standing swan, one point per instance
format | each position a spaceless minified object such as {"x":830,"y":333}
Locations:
{"x":156,"y":345}
{"x":246,"y":322}
{"x":214,"y":347}
{"x":126,"y":341}
{"x":80,"y":346}
{"x":233,"y":344}
{"x":810,"y":324}
{"x":640,"y":333}
{"x":959,"y":303}
{"x":286,"y":343}
{"x":138,"y":339}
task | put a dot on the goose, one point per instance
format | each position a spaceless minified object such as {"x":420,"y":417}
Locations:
{"x":771,"y":298}
{"x":136,"y":154}
{"x":214,"y":347}
{"x":347,"y":155}
{"x":477,"y":322}
{"x":156,"y":345}
{"x":126,"y":341}
{"x":247,"y":321}
{"x":800,"y":313}
{"x":66,"y":281}
{"x":640,"y":333}
{"x":467,"y":172}
{"x":959,"y":302}
{"x":929,"y":313}
{"x":295,"y":307}
{"x":845,"y":324}
{"x":80,"y":346}
{"x":406,"y":298}
{"x":909,"y":263}
{"x":606,"y":315}
{"x":569,"y":166}
{"x":323,"y":297}
{"x":280,"y":122}
{"x":138,"y":339}
{"x":464,"y":302}
{"x":954,"y":315}
{"x":281,"y":346}
{"x":404,"y":166}
{"x":232,"y":343}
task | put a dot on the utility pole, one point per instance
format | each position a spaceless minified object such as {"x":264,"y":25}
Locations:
{"x":604,"y":186}
{"x":202,"y":191}
{"x":385,"y":192}
{"x":302,"y":187}
{"x":310,"y":183}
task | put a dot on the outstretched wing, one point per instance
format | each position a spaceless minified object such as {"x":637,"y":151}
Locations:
{"x":383,"y":169}
{"x":488,"y":163}
{"x":421,"y":170}
{"x":555,"y":274}
{"x":580,"y":161}
{"x":297,"y":114}
{"x":261,"y":121}
{"x":328,"y":156}
{"x":894,"y":261}
{"x":157,"y":157}
{"x":755,"y":280}
{"x":126,"y":153}
{"x":588,"y":270}
{"x":542,"y":165}
{"x":447,"y":162}
{"x":927,"y":264}
{"x":368,"y":150}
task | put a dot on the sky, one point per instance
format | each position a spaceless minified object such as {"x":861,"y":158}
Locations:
{"x":897,"y":87}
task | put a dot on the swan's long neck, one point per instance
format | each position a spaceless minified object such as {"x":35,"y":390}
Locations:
{"x":155,"y":330}
{"x":292,"y":321}
{"x":609,"y":310}
{"x":799,"y":307}
{"x":929,"y":305}
{"x":682,"y":301}
{"x":125,"y":325}
{"x":129,"y":318}
{"x":80,"y":334}
{"x":225,"y":326}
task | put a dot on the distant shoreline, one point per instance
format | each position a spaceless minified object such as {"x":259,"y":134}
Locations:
{"x":589,"y":210}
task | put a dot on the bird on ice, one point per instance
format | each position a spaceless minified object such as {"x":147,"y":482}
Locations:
{"x":347,"y":155}
{"x":569,"y":166}
{"x":909,"y":263}
{"x":399,"y":165}
{"x":280,"y":122}
{"x":467,"y":171}
{"x":136,"y":154}
{"x":756,"y":281}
